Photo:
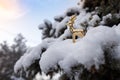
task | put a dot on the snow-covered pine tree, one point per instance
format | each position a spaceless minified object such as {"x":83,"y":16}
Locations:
{"x":93,"y":57}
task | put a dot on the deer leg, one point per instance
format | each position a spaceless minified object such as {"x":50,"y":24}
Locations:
{"x":81,"y":35}
{"x":74,"y":37}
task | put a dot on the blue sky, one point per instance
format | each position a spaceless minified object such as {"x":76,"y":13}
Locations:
{"x":31,"y":14}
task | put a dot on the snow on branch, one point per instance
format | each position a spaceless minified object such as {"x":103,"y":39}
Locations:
{"x":87,"y":51}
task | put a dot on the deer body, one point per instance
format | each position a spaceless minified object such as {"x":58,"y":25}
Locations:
{"x":75,"y":32}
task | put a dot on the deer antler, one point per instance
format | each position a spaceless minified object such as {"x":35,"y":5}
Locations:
{"x":71,"y":21}
{"x":73,"y":18}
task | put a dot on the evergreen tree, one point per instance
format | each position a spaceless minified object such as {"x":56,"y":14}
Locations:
{"x":19,"y":45}
{"x":9,"y":55}
{"x":95,"y":57}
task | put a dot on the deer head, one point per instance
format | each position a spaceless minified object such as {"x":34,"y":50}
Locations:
{"x":71,"y":21}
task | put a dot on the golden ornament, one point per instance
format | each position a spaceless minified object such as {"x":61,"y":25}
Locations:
{"x":75,"y":32}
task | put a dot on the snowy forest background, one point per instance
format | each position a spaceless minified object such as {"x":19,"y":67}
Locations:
{"x":9,"y":54}
{"x":96,"y":56}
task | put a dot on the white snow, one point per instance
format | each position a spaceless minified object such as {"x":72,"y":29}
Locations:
{"x":61,"y":25}
{"x":95,"y":18}
{"x":66,"y":34}
{"x":16,"y":78}
{"x":106,"y":17}
{"x":59,"y":16}
{"x":87,"y":51}
{"x":82,"y":18}
{"x":117,"y":50}
{"x":117,"y":28}
{"x":42,"y":26}
{"x":29,"y":57}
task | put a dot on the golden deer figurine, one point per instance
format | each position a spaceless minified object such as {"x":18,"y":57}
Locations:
{"x":75,"y":32}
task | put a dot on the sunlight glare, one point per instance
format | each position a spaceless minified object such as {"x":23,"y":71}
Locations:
{"x":10,"y":9}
